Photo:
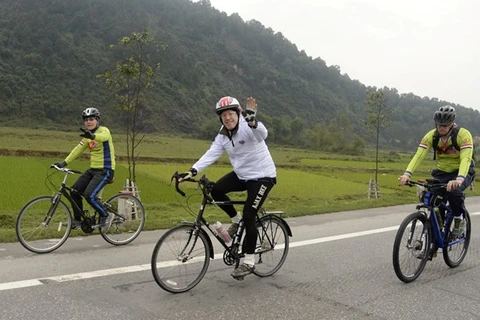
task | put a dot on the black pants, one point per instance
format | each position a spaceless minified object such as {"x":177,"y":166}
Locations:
{"x":89,"y":184}
{"x":456,"y":198}
{"x":257,"y":191}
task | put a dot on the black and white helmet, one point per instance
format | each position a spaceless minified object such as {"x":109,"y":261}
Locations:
{"x":444,"y":115}
{"x":91,"y":112}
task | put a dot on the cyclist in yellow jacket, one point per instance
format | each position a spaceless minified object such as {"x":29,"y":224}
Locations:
{"x":98,"y":140}
{"x":454,"y":167}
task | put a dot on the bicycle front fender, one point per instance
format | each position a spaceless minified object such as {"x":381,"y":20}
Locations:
{"x":210,"y":245}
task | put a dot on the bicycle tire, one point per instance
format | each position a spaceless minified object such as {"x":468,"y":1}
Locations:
{"x":272,"y":246}
{"x":128,"y":224}
{"x":34,"y":234}
{"x":411,"y":247}
{"x":456,"y":247}
{"x":180,"y":258}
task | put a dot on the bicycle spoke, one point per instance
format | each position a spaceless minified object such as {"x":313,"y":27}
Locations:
{"x":272,"y":246}
{"x":457,"y":246}
{"x":34,"y":234}
{"x":411,"y":247}
{"x":127,"y":221}
{"x":180,"y":259}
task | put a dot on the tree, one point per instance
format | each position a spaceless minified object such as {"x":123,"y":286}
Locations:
{"x":129,"y":81}
{"x":378,"y":119}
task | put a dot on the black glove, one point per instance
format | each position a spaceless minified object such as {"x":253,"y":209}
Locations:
{"x":61,"y":164}
{"x":250,"y":115}
{"x":87,"y":134}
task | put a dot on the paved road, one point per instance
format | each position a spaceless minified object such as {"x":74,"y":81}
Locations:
{"x":339,"y":267}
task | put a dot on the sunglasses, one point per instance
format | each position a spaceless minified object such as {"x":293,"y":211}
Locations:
{"x":89,"y":119}
{"x":444,"y":125}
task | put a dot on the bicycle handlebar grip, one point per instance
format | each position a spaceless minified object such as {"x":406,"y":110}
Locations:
{"x":177,"y":176}
{"x":178,"y":188}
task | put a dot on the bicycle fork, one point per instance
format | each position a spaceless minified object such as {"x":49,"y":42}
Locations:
{"x":185,"y":254}
{"x":51,"y":210}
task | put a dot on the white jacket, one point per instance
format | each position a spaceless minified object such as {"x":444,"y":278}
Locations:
{"x":246,"y":149}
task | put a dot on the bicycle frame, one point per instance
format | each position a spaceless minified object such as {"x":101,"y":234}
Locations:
{"x":62,"y":191}
{"x":439,"y":234}
{"x":175,"y":256}
{"x":207,"y":200}
{"x":426,"y":230}
{"x":200,"y":221}
{"x":437,"y":226}
{"x":39,"y":217}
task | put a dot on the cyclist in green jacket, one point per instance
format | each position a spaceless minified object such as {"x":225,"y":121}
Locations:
{"x":98,"y":140}
{"x":454,"y":167}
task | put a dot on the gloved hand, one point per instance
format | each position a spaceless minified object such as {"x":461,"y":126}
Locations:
{"x":87,"y":134}
{"x":251,"y":111}
{"x":192,"y":172}
{"x":61,"y":164}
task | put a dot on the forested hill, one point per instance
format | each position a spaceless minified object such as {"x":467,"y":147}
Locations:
{"x":52,"y":50}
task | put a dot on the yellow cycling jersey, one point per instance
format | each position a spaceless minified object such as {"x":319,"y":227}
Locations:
{"x":449,"y":159}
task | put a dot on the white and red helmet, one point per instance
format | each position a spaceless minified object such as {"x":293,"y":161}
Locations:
{"x":227,"y":103}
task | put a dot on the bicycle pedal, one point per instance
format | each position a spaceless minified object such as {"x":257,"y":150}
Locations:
{"x":239,"y":278}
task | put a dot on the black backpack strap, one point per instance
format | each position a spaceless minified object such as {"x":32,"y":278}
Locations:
{"x":454,"y":135}
{"x":436,"y":139}
{"x":455,"y":142}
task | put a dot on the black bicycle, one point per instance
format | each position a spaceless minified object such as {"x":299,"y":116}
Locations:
{"x":422,"y":233}
{"x":45,"y":222}
{"x":182,"y":255}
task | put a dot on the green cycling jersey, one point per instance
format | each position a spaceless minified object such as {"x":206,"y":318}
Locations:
{"x":102,"y":153}
{"x":449,"y":159}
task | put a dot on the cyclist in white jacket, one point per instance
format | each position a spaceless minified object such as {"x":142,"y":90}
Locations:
{"x":243,"y":138}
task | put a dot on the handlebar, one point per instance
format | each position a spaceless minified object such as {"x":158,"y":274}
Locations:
{"x":429,"y":184}
{"x":66,"y":170}
{"x":203,"y":183}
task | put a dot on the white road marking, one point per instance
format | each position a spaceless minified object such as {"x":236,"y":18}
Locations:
{"x":144,"y":267}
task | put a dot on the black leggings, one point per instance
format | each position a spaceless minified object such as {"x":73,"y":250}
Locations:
{"x":89,"y":184}
{"x":257,"y":191}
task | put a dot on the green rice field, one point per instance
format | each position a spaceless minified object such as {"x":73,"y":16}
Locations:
{"x":309,"y":182}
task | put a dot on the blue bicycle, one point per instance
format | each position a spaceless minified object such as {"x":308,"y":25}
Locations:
{"x":423,"y":232}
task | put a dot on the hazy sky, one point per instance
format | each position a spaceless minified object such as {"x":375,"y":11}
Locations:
{"x":428,"y":47}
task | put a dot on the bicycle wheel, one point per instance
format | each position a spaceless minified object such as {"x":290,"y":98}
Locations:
{"x":411,"y":246}
{"x":180,"y":258}
{"x":127,"y":221}
{"x":272,"y":246}
{"x":43,"y":226}
{"x":457,"y":246}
